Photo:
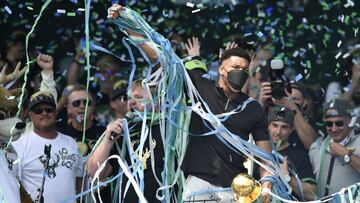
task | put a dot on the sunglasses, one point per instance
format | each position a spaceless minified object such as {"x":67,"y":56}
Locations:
{"x":330,"y":124}
{"x":78,"y":102}
{"x":41,"y":110}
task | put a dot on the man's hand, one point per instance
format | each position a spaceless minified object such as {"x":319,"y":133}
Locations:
{"x":266,"y":196}
{"x":231,"y":45}
{"x":265,"y":92}
{"x":114,"y":130}
{"x":193,"y":46}
{"x":284,"y":167}
{"x":288,"y":102}
{"x":45,"y":62}
{"x":337,"y":149}
{"x":113,"y":11}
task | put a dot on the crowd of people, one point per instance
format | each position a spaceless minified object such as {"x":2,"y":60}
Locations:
{"x":56,"y":156}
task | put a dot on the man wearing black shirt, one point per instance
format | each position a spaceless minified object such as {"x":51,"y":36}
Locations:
{"x":207,"y":158}
{"x":152,"y":146}
{"x":76,"y":100}
{"x":281,"y":125}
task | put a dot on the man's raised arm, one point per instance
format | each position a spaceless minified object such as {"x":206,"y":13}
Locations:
{"x":116,"y":12}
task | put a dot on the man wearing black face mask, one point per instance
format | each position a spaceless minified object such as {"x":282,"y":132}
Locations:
{"x":208,"y":163}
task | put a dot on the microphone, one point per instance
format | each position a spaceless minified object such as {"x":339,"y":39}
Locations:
{"x":129,"y":116}
{"x":47,"y":150}
{"x":78,"y":119}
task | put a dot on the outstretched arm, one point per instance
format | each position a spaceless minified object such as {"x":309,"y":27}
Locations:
{"x":117,"y":12}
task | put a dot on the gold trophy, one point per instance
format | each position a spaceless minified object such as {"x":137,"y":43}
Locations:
{"x":245,"y":188}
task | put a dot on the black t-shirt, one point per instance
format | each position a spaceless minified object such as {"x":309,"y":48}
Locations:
{"x":295,"y":141}
{"x":300,"y":160}
{"x":150,"y":183}
{"x":92,"y":135}
{"x":206,"y":156}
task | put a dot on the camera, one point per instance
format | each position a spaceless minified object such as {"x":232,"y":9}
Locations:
{"x":278,"y":81}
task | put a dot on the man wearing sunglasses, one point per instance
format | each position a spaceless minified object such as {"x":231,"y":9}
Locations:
{"x":76,"y":108}
{"x":336,"y":158}
{"x":45,"y":149}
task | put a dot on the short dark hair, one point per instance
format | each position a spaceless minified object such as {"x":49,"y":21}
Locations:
{"x":237,"y":51}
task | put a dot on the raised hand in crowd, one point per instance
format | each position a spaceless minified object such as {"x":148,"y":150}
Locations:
{"x":45,"y":62}
{"x":265,"y":95}
{"x":265,"y":92}
{"x":193,"y":46}
{"x":229,"y":45}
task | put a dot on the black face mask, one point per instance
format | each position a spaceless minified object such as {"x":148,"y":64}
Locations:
{"x":237,"y":78}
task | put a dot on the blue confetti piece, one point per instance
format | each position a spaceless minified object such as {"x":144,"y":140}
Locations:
{"x":74,"y":1}
{"x":260,"y":34}
{"x":8,"y":10}
{"x":269,"y":10}
{"x":298,"y":77}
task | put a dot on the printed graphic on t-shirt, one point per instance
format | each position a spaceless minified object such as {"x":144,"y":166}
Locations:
{"x":62,"y":158}
{"x":53,"y":163}
{"x":67,"y":160}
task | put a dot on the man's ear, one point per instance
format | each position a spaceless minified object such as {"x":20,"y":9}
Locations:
{"x":305,"y":105}
{"x":292,"y":128}
{"x":222,"y":70}
{"x":112,"y":104}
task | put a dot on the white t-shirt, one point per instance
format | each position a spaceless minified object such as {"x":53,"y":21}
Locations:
{"x":9,"y":186}
{"x":64,"y":166}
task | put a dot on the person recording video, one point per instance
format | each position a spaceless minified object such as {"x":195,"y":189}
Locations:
{"x":279,"y":90}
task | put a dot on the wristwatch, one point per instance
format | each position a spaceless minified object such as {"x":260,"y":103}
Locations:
{"x":347,"y":158}
{"x":287,"y":178}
